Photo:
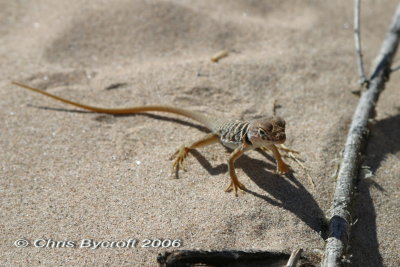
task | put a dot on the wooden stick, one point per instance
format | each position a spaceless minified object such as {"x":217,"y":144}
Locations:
{"x":395,"y":68}
{"x":340,"y":221}
{"x":220,"y":55}
{"x":294,"y":258}
{"x":357,"y":39}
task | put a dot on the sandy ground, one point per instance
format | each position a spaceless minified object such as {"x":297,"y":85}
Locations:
{"x":68,"y":175}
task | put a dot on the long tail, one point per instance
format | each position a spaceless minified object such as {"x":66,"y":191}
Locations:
{"x":183,"y":112}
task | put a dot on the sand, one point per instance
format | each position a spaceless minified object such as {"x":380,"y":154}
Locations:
{"x":68,"y":175}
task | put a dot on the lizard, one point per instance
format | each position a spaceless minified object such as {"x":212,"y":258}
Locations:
{"x":241,"y":136}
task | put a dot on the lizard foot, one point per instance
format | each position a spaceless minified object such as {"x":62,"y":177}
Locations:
{"x":179,"y":156}
{"x":236,"y":187}
{"x":282,"y":168}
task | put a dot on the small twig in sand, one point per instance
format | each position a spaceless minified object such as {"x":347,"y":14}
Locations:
{"x":336,"y":171}
{"x":274,"y":107}
{"x":294,"y":258}
{"x":357,"y":39}
{"x":286,"y":149}
{"x":395,"y":68}
{"x":220,"y":55}
{"x":306,"y":171}
{"x":289,"y":153}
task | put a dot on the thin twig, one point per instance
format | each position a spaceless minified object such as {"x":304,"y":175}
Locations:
{"x":289,"y":153}
{"x":395,"y":68}
{"x":294,"y":258}
{"x":340,"y":222}
{"x":310,"y":179}
{"x":220,"y":55}
{"x":357,"y":39}
{"x":286,"y":149}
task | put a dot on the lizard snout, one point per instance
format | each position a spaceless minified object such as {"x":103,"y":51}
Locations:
{"x":280,"y":138}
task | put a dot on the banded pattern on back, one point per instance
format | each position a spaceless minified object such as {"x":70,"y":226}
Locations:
{"x":232,"y":133}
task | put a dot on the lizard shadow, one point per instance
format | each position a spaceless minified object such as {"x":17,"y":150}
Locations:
{"x":286,"y":192}
{"x":221,"y":168}
{"x":60,"y":109}
{"x":149,"y":115}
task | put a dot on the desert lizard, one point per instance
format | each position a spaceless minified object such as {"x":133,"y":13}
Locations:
{"x":241,"y":136}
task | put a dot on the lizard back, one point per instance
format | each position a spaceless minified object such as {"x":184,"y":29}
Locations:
{"x":233,"y":133}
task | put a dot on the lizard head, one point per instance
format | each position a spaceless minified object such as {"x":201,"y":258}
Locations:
{"x":267,"y":131}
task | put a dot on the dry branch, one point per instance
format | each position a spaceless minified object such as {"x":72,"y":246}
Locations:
{"x":357,"y":39}
{"x":340,"y":221}
{"x":294,"y":258}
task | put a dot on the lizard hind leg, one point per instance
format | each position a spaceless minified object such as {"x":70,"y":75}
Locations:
{"x":183,"y":151}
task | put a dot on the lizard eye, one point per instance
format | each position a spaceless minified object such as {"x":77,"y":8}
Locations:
{"x":268,"y":127}
{"x":261,"y":132}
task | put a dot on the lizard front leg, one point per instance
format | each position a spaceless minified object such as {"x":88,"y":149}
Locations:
{"x":182,"y":152}
{"x":282,"y":168}
{"x":235,"y":184}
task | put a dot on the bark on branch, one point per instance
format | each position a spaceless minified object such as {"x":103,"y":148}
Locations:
{"x":340,"y":221}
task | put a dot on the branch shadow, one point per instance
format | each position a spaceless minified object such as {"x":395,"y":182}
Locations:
{"x":384,"y":139}
{"x":364,"y":239}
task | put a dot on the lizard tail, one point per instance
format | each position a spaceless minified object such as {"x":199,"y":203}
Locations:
{"x":205,"y":120}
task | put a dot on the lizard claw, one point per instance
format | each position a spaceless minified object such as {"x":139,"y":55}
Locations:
{"x":179,"y":156}
{"x":178,"y":165}
{"x":236,"y":187}
{"x":282,"y":168}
